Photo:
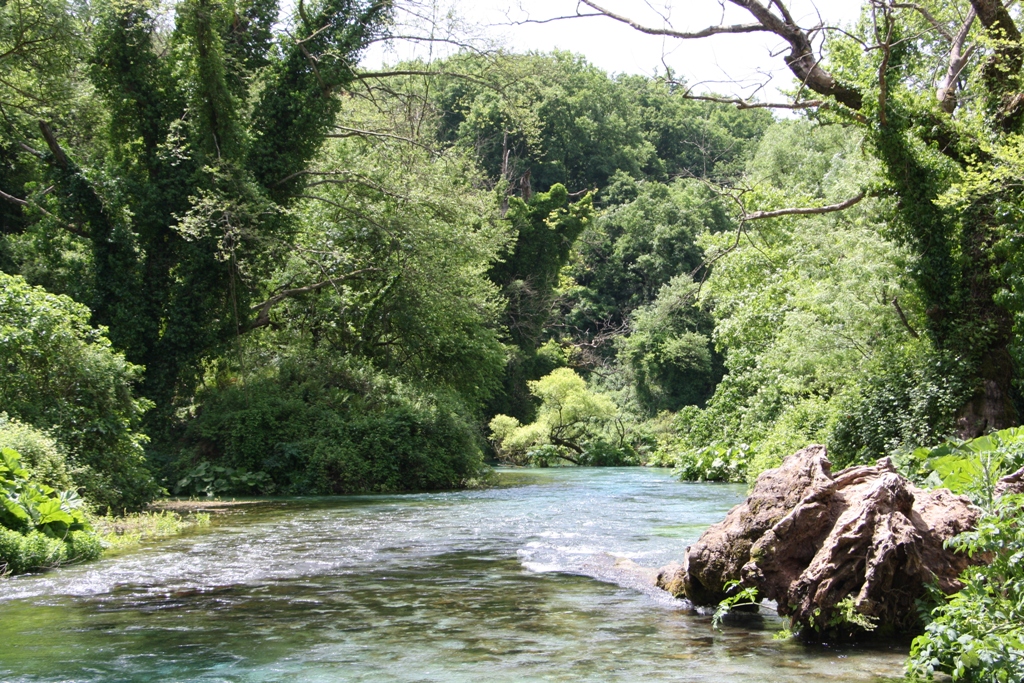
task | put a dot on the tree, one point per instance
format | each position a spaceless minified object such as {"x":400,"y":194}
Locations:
{"x":932,"y":135}
{"x":669,"y":352}
{"x":540,"y":119}
{"x":61,"y":374}
{"x":822,"y":336}
{"x":570,"y":416}
{"x":546,"y":227}
{"x":185,"y":205}
{"x":646,"y":236}
{"x":397,"y":239}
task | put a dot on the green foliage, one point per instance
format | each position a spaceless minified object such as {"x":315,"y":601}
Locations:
{"x":970,"y":467}
{"x":407,"y":238}
{"x":63,"y":376}
{"x":809,"y":314}
{"x":668,"y":351}
{"x":34,"y":551}
{"x":955,"y":214}
{"x":545,"y":228}
{"x":574,"y":423}
{"x":741,"y":598}
{"x":39,"y":527}
{"x":41,"y":454}
{"x":39,"y":41}
{"x":645,"y":238}
{"x":843,"y":621}
{"x":715,"y":462}
{"x":554,"y":119}
{"x":978,"y":634}
{"x":177,"y":191}
{"x":28,"y":505}
{"x":206,"y":479}
{"x":316,"y":426}
{"x":129,"y":530}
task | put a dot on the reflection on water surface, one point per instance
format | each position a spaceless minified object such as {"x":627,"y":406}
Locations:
{"x":507,"y":584}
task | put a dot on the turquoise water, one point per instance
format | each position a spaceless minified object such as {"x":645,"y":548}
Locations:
{"x":527,"y":583}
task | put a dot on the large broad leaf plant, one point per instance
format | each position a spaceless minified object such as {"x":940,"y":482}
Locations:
{"x":26,"y":505}
{"x":972,"y":468}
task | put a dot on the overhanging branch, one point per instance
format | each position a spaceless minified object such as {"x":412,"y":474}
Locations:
{"x":73,"y":229}
{"x":263,"y":309}
{"x":804,"y":211}
{"x":747,"y":104}
{"x":685,"y":35}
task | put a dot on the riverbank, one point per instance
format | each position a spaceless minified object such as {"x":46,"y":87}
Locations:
{"x":118,"y":533}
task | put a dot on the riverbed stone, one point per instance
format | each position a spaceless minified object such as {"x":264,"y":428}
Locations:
{"x":858,"y":547}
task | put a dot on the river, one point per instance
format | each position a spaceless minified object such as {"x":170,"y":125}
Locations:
{"x":519,"y":583}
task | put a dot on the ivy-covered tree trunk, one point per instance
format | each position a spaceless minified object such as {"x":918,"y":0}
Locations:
{"x":202,"y":161}
{"x":953,"y":269}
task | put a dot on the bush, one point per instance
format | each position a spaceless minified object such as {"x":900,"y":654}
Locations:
{"x":978,"y":635}
{"x":39,"y":527}
{"x":61,"y":375}
{"x":325,"y":427}
{"x":33,"y":551}
{"x":971,"y":468}
{"x":43,"y":457}
{"x":904,"y":397}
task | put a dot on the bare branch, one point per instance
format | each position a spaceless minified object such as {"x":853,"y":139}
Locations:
{"x":650,"y":30}
{"x":309,"y":58}
{"x":415,"y":72}
{"x":903,"y":317}
{"x":802,"y":61}
{"x":929,"y":17}
{"x":51,"y":142}
{"x":548,"y":21}
{"x":804,"y":211}
{"x":883,"y":67}
{"x":358,"y":132}
{"x":747,"y":104}
{"x":31,"y":150}
{"x":958,"y":58}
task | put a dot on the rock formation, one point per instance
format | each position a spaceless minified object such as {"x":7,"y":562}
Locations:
{"x":1011,"y":483}
{"x":857,"y":547}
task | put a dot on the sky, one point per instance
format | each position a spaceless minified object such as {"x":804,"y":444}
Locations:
{"x":745,"y":65}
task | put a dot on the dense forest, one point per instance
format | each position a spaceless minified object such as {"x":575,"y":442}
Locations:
{"x":233,"y":262}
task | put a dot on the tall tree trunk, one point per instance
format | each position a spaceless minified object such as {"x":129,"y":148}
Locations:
{"x":992,"y":406}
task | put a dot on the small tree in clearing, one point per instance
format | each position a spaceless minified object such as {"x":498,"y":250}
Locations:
{"x":570,"y":416}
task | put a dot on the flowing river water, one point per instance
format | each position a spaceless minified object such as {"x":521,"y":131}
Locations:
{"x":519,"y":583}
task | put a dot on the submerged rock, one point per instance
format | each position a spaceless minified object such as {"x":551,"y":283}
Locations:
{"x":855,"y":549}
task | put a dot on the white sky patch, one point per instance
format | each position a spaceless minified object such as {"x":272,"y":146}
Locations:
{"x":748,"y":65}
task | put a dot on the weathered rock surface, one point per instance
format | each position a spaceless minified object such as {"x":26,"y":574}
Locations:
{"x":1011,"y":484}
{"x":809,"y":541}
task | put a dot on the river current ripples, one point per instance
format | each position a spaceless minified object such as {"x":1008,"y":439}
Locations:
{"x":532,"y":582}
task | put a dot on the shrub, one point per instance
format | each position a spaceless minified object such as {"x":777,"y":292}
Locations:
{"x":978,"y":635}
{"x":61,"y":375}
{"x":971,"y":467}
{"x":44,"y":458}
{"x":39,"y":527}
{"x":325,"y":427}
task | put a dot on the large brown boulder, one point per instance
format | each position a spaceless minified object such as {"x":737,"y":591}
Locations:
{"x":828,"y":549}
